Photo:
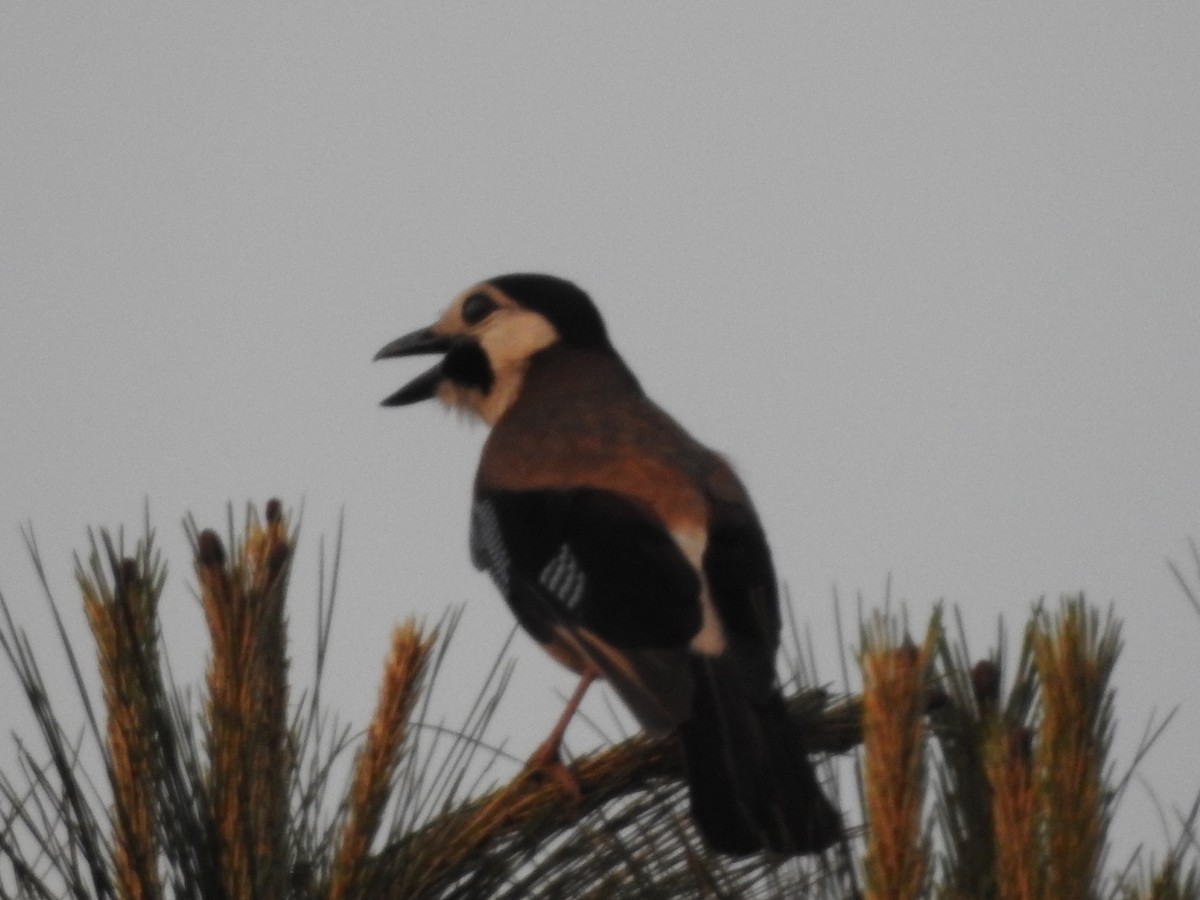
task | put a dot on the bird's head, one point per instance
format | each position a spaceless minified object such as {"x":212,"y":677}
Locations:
{"x":489,"y":335}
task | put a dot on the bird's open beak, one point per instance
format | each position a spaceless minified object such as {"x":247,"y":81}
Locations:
{"x":424,"y":385}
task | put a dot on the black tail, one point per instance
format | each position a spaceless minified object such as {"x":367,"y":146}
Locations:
{"x":752,"y":786}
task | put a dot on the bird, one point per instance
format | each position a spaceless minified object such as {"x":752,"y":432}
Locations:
{"x":627,"y":549}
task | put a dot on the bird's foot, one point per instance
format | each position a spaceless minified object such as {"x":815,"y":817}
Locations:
{"x":546,"y":765}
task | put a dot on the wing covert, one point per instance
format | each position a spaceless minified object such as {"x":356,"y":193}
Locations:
{"x":589,"y":558}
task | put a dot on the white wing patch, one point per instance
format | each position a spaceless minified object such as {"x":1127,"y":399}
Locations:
{"x":487,"y":544}
{"x":564,"y":578}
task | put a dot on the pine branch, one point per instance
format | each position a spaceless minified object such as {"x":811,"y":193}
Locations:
{"x":529,"y":812}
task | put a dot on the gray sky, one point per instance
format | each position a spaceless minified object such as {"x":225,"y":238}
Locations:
{"x":928,"y":274}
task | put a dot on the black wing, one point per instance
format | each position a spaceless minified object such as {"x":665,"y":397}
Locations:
{"x":597,"y":573}
{"x":741,"y":581}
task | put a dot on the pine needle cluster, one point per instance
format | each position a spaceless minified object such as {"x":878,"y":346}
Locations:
{"x":975,"y":782}
{"x":895,"y":679}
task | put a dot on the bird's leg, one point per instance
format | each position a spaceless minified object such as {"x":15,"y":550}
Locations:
{"x":546,"y":759}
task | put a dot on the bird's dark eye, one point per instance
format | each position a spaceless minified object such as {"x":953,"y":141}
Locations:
{"x":476,"y":308}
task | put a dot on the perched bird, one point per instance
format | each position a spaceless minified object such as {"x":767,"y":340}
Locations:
{"x":627,"y":549}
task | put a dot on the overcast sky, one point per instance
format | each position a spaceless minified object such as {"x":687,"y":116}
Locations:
{"x":928,"y":274}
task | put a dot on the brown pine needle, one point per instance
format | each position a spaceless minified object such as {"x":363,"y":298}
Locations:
{"x":1009,"y":765}
{"x":122,"y":620}
{"x":894,"y":702}
{"x":377,"y":762}
{"x":1074,"y":660}
{"x":249,"y":754}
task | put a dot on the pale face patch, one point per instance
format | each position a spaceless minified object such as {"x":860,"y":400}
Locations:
{"x":509,"y":336}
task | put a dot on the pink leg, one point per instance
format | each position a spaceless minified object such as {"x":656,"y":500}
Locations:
{"x":546,"y":758}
